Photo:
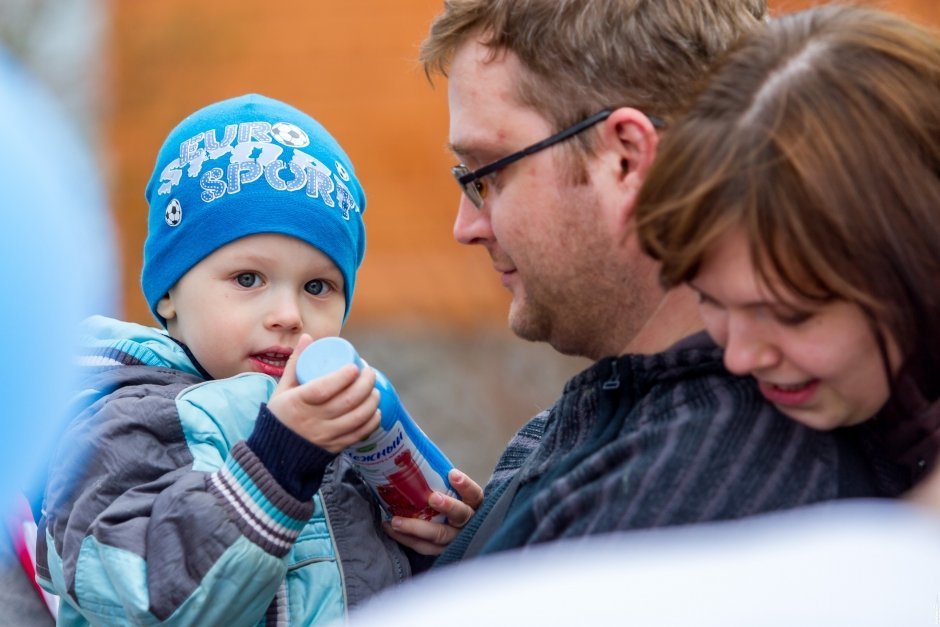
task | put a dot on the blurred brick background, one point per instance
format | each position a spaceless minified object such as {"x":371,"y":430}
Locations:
{"x":428,"y":312}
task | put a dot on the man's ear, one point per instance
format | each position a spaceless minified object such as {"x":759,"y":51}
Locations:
{"x":632,"y":140}
{"x":166,"y":309}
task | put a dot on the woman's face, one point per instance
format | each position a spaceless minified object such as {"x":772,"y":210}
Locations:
{"x":817,"y":363}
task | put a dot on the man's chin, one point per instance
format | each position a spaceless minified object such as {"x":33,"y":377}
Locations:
{"x":538,"y":326}
{"x":526,"y":325}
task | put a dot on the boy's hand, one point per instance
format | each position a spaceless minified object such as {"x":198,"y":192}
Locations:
{"x":430,"y":538}
{"x":333,"y":411}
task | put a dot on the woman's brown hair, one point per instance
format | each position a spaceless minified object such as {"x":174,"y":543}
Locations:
{"x":819,"y":136}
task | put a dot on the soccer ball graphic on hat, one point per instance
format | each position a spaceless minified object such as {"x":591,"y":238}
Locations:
{"x":289,"y":135}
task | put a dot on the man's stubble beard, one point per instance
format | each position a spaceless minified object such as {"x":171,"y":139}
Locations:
{"x":590,"y":324}
{"x":581,"y":304}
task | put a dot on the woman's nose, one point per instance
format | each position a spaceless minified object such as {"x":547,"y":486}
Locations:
{"x":747,"y":350}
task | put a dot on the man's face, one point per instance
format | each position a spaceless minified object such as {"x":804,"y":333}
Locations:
{"x":544,"y":232}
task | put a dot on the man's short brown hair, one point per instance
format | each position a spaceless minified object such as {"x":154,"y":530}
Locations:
{"x":585,"y":55}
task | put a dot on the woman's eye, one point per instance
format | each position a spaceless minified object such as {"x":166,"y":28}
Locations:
{"x":793,"y":317}
{"x":704,"y":300}
{"x":317,"y":287}
{"x":248,"y":279}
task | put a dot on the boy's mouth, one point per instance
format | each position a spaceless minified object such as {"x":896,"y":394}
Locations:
{"x":270,"y":362}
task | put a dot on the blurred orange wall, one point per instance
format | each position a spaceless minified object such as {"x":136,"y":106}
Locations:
{"x":352,"y":65}
{"x":926,"y":11}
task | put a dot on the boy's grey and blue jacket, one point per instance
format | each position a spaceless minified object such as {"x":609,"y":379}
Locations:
{"x":645,"y":441}
{"x":164,"y":504}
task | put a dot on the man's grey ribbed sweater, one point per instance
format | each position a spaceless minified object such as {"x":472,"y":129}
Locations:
{"x":643,"y":441}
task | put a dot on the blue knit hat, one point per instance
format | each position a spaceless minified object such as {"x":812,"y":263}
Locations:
{"x":246,"y":166}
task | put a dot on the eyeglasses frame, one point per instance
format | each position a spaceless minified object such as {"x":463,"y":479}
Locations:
{"x":465,"y":177}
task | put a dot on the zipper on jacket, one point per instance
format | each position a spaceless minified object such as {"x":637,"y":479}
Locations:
{"x":339,"y":561}
{"x":613,"y":382}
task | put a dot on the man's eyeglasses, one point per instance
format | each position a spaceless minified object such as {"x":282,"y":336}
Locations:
{"x":475,"y":187}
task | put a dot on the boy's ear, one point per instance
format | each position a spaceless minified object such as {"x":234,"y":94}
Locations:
{"x":166,"y":309}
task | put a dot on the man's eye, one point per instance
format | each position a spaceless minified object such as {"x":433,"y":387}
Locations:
{"x":482,"y":186}
{"x":317,"y":287}
{"x":248,"y":279}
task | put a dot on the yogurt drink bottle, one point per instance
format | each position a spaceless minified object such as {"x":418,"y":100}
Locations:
{"x":398,"y":462}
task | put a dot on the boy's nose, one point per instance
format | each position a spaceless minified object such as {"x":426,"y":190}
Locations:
{"x":284,"y":314}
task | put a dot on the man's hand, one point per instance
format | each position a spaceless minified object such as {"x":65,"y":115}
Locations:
{"x":430,"y":538}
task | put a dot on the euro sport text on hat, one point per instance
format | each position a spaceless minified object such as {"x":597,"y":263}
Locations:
{"x":246,"y":166}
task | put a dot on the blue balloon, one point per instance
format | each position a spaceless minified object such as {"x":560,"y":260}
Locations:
{"x":57,"y":250}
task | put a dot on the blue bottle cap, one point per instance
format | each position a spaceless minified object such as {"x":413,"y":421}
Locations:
{"x":324,"y":356}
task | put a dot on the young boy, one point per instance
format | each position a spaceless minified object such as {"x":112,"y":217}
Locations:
{"x":192,"y":486}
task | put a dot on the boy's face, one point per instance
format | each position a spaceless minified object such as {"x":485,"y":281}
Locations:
{"x":243,"y":308}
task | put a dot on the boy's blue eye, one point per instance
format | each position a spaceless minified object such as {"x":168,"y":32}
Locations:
{"x":247,"y":279}
{"x":317,"y":287}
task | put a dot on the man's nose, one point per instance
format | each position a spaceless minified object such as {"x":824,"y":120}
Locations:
{"x":472,"y":225}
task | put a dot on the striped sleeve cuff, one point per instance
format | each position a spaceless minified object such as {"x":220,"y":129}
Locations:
{"x":260,"y":507}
